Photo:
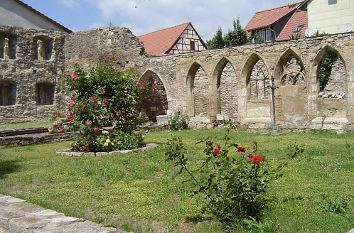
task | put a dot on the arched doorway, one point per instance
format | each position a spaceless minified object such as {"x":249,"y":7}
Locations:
{"x":154,"y":100}
{"x":226,"y":90}
{"x":198,"y":91}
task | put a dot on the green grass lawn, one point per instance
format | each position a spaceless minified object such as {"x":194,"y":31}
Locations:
{"x":137,"y":192}
{"x":26,"y":125}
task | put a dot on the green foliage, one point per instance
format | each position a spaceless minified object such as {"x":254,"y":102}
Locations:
{"x":325,"y":69}
{"x":335,"y":205}
{"x":234,"y":185}
{"x":101,"y":97}
{"x":257,"y":39}
{"x":217,"y":42}
{"x":178,"y":121}
{"x":118,"y":140}
{"x":295,"y":150}
{"x":237,"y":36}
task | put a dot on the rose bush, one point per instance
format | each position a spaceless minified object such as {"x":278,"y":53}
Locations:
{"x":233,"y":182}
{"x":103,"y":98}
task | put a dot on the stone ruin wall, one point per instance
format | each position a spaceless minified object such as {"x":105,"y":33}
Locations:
{"x":299,"y":105}
{"x":234,"y":83}
{"x":31,"y":69}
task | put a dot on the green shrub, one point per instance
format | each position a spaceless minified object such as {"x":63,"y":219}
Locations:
{"x":178,"y":121}
{"x":335,"y":205}
{"x":325,"y":69}
{"x":295,"y":150}
{"x":102,"y":97}
{"x":233,"y":182}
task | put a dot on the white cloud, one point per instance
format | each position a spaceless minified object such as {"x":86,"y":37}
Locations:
{"x":143,"y":16}
{"x":68,"y":3}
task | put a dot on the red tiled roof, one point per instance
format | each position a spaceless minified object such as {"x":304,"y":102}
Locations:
{"x":297,"y":19}
{"x":266,"y":18}
{"x":44,"y":16}
{"x":159,"y":42}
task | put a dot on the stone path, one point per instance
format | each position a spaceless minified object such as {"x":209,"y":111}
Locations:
{"x":17,"y":216}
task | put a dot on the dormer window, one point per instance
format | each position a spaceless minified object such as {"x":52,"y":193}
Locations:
{"x":299,"y":27}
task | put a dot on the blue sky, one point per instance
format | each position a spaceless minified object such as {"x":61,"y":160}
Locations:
{"x":143,"y":16}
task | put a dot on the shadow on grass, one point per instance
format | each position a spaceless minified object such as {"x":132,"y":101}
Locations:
{"x":7,"y":167}
{"x":197,"y":218}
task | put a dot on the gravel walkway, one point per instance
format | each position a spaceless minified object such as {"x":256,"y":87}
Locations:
{"x":17,"y":215}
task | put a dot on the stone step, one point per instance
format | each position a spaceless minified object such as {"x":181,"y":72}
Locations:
{"x":17,"y":216}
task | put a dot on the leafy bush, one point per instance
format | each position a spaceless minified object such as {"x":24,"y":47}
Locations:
{"x":335,"y":205}
{"x":101,"y":97}
{"x":294,"y":150}
{"x":178,"y":121}
{"x":233,"y":182}
{"x":325,"y":70}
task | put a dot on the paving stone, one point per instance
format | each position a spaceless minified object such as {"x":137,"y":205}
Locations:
{"x":18,"y":216}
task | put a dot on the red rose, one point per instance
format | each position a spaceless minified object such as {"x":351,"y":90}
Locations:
{"x":257,"y":159}
{"x":105,"y":101}
{"x":72,"y":98}
{"x":154,"y":88}
{"x":72,"y":104}
{"x":143,"y":86}
{"x":88,"y":123}
{"x":94,"y":98}
{"x":216,"y":152}
{"x":241,"y":149}
{"x":96,"y":128}
{"x":119,"y":113}
{"x":74,"y":76}
{"x":69,"y":118}
{"x":62,"y":130}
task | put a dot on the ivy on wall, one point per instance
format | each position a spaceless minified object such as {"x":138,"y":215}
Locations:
{"x":325,"y":69}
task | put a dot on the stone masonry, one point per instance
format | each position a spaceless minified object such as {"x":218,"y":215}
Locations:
{"x":234,"y":83}
{"x":31,"y":70}
{"x":17,"y":215}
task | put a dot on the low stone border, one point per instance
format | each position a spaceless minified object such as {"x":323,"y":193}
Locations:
{"x":18,"y":216}
{"x":70,"y":153}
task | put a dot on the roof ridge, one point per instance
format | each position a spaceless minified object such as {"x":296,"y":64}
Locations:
{"x":44,"y":16}
{"x":288,"y":5}
{"x":163,"y":29}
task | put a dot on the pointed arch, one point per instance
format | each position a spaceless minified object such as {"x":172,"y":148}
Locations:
{"x":224,"y":90}
{"x":291,"y":96}
{"x":197,"y":83}
{"x":256,"y":76}
{"x":154,"y":103}
{"x":332,"y":90}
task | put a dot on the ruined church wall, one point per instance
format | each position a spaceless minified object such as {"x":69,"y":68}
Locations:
{"x":224,"y":83}
{"x":299,"y":105}
{"x":25,"y":71}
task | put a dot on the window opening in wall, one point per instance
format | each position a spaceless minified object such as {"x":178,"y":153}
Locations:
{"x":43,"y":48}
{"x":192,"y":45}
{"x":332,"y":2}
{"x":7,"y":93}
{"x":7,"y":46}
{"x":45,"y":93}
